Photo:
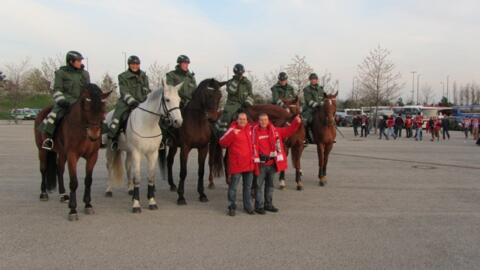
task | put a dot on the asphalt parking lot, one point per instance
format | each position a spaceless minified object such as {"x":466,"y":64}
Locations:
{"x":388,"y":205}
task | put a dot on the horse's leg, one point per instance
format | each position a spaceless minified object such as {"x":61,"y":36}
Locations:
{"x":297,"y":150}
{"x":172,"y":151}
{"x":328,"y":148}
{"x":136,"y":165}
{"x":72,"y":160}
{"x":109,"y":164}
{"x":128,"y":168}
{"x":185,"y":150}
{"x":42,"y":157}
{"x":320,"y":152}
{"x":202,"y":155}
{"x":62,"y":159}
{"x":152,"y":159}
{"x":91,"y":161}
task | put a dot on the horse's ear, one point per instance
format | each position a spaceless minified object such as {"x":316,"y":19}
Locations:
{"x":336,"y":93}
{"x":178,"y":86}
{"x":105,"y":95}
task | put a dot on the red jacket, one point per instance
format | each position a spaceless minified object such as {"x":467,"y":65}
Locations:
{"x":265,"y":145}
{"x":390,"y":122}
{"x":419,"y":120}
{"x":240,"y":150}
{"x":408,"y":122}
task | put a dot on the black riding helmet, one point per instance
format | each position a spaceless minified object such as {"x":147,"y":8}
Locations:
{"x":238,"y":69}
{"x":72,"y":56}
{"x":183,"y":59}
{"x":133,"y":59}
{"x":313,"y":76}
{"x":282,"y":76}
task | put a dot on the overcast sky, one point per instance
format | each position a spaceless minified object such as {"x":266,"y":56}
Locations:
{"x":434,"y":37}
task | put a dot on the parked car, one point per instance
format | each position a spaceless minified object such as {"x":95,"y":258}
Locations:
{"x":23,"y":114}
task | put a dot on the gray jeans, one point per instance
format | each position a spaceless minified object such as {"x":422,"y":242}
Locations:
{"x":265,"y":179}
{"x":247,"y":190}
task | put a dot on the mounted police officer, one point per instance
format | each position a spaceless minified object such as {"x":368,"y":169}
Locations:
{"x":134,"y":88}
{"x":313,"y":95}
{"x":70,"y":81}
{"x":282,"y":90}
{"x":240,"y":95}
{"x":181,"y":74}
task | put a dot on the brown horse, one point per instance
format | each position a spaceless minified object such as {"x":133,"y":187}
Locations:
{"x":277,"y":115}
{"x":77,"y":135}
{"x":296,"y":144}
{"x":195,"y":132}
{"x":324,"y":133}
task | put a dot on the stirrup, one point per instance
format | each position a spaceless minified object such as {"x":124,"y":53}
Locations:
{"x":114,"y":146}
{"x":47,"y":144}
{"x":162,"y":145}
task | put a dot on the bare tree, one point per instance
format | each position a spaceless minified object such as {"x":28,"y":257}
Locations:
{"x":378,"y":80}
{"x":156,"y":73}
{"x":108,"y":85}
{"x":35,"y":83}
{"x":427,"y":93}
{"x":15,"y":75}
{"x":259,"y":92}
{"x":298,"y":71}
{"x":49,"y":66}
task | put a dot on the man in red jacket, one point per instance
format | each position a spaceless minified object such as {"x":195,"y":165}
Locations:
{"x":270,"y":158}
{"x":238,"y":141}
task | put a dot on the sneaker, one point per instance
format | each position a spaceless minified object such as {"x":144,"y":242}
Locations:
{"x":48,"y":144}
{"x":282,"y":184}
{"x":231,"y":212}
{"x":260,"y":211}
{"x":271,"y":209}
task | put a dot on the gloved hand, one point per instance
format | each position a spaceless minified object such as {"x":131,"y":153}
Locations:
{"x":63,"y":103}
{"x":133,"y":104}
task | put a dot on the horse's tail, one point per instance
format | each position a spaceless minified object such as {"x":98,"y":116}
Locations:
{"x":51,"y":172}
{"x":115,"y":167}
{"x":215,"y":157}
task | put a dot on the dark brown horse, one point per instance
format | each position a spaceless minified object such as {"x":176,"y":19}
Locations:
{"x":195,"y":132}
{"x":277,"y":115}
{"x":296,"y":144}
{"x":324,"y":133}
{"x":77,"y":135}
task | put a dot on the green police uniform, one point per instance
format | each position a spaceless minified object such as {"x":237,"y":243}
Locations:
{"x":177,"y":76}
{"x":239,"y":90}
{"x":280,"y":92}
{"x":313,"y":95}
{"x":134,"y":89}
{"x":68,"y":84}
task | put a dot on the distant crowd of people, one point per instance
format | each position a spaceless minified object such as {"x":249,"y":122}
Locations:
{"x":393,"y":126}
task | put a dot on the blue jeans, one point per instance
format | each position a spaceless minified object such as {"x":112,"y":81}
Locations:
{"x":419,"y":134}
{"x":247,"y":190}
{"x":265,"y":179}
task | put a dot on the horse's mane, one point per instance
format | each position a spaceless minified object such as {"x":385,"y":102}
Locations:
{"x":96,"y":96}
{"x":199,"y":94}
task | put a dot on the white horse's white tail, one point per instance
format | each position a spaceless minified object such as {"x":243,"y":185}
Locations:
{"x":115,"y":167}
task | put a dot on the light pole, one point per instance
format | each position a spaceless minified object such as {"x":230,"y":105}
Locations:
{"x":443,"y":88}
{"x":124,"y":60}
{"x":418,"y":86}
{"x":448,"y":79}
{"x":413,"y":85}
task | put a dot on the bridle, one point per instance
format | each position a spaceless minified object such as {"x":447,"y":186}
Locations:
{"x":328,"y":119}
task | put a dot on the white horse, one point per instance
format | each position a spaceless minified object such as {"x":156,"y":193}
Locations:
{"x":142,"y":137}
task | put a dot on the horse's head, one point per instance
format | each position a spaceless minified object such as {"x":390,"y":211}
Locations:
{"x":330,"y":107}
{"x":293,"y":105}
{"x":92,"y":105}
{"x":208,"y":96}
{"x":171,"y":103}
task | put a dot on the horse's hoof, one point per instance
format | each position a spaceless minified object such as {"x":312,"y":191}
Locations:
{"x":89,"y":211}
{"x":136,"y":210}
{"x":173,"y":188}
{"x":152,"y":207}
{"x":299,"y":188}
{"x":73,"y":217}
{"x":321,"y":183}
{"x":181,"y":201}
{"x":109,"y":194}
{"x":43,"y":197}
{"x":130,"y":192}
{"x":203,"y":198}
{"x":211,"y":186}
{"x":64,"y":199}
